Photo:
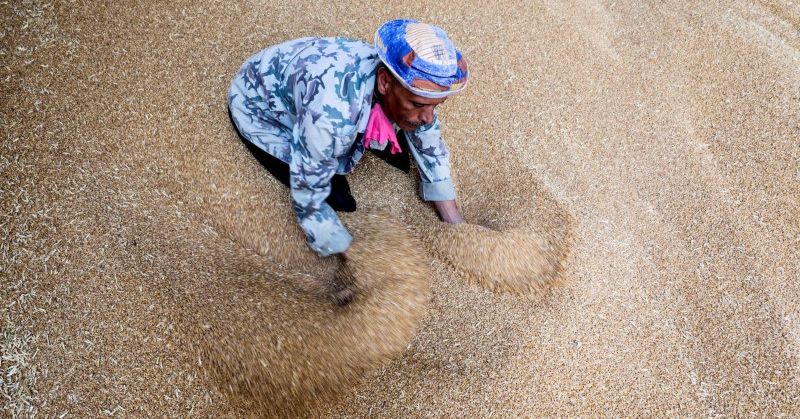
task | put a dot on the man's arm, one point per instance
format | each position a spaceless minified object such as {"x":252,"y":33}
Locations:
{"x":448,"y":211}
{"x":433,"y":162}
{"x":311,"y":169}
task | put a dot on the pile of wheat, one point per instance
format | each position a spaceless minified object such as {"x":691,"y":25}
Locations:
{"x":516,"y":260}
{"x":281,"y":350}
{"x":516,"y":238}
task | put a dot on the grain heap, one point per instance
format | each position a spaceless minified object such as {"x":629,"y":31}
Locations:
{"x":513,"y":260}
{"x":282,"y":351}
{"x":507,"y":244}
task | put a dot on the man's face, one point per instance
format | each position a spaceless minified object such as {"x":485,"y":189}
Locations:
{"x":404,"y":108}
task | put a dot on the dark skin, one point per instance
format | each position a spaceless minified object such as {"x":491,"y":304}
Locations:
{"x":404,"y":108}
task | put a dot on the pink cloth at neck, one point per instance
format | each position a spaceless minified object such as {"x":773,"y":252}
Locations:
{"x":380,"y":129}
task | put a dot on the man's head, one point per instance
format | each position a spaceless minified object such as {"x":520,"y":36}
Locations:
{"x":407,"y":110}
{"x":421,"y":69}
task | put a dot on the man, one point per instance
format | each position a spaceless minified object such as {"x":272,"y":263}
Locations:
{"x":308,"y":109}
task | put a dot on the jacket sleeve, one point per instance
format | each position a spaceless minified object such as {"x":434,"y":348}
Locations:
{"x":310,"y":171}
{"x":433,"y":161}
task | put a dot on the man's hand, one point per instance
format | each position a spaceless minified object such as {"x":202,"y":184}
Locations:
{"x":448,"y":212}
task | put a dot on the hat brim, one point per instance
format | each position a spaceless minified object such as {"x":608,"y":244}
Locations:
{"x":430,"y":94}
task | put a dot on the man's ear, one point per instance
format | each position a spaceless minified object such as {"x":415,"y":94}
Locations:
{"x":384,"y":80}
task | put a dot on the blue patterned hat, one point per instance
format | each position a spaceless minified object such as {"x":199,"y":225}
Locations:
{"x":422,"y":58}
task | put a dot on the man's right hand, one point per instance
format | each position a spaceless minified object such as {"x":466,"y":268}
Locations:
{"x":448,"y":211}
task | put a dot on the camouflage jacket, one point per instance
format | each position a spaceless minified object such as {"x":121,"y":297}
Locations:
{"x":304,"y":102}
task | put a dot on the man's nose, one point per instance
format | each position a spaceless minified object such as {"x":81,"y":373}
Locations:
{"x":427,"y":115}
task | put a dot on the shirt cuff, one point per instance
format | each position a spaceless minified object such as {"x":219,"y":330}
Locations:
{"x":337,"y":242}
{"x":442,"y":190}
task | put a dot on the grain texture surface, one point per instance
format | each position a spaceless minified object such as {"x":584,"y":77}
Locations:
{"x":653,"y":148}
